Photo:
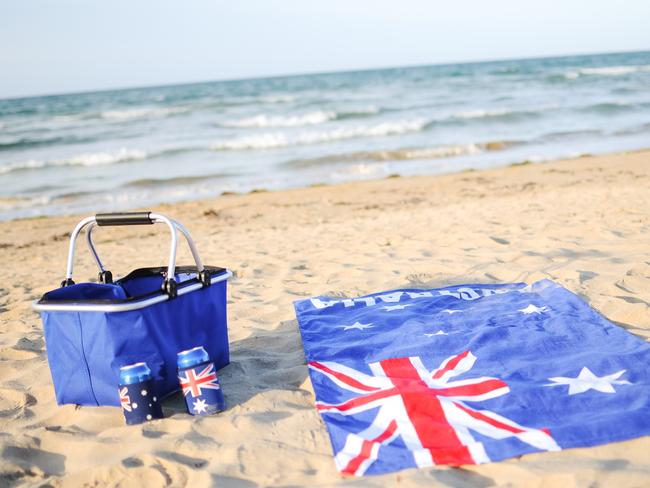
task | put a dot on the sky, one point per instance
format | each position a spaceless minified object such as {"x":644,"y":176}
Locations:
{"x":61,"y":46}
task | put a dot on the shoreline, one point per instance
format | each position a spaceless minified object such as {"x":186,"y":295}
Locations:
{"x":226,"y":194}
{"x":583,"y":223}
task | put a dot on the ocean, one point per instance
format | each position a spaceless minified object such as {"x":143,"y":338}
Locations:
{"x":122,"y":149}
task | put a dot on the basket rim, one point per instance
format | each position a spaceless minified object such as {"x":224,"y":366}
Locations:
{"x":134,"y":303}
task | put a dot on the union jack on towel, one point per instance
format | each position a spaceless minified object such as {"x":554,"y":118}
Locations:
{"x":470,"y":374}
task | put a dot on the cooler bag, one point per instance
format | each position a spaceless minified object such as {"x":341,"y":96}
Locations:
{"x":151,"y":314}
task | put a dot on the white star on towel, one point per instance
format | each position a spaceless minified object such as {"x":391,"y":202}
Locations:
{"x":357,"y":325}
{"x":440,"y":332}
{"x":533,"y":309}
{"x":200,"y":406}
{"x":586,"y":380}
{"x":390,"y":308}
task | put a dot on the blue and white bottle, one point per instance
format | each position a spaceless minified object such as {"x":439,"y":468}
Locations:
{"x":198,"y":379}
{"x":137,"y":397}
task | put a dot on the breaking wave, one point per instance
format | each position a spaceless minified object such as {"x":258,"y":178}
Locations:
{"x":19,"y":202}
{"x":142,"y":113}
{"x":479,"y":114}
{"x":119,"y":115}
{"x":89,"y":159}
{"x":310,"y":118}
{"x":607,"y":71}
{"x":264,"y":120}
{"x":405,"y":154}
{"x":178,"y":180}
{"x":502,"y":113}
{"x":275,"y":140}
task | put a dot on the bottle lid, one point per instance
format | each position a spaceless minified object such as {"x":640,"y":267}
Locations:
{"x":134,"y":373}
{"x":192,"y":357}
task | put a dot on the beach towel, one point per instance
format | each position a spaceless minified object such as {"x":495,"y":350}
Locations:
{"x":470,"y":374}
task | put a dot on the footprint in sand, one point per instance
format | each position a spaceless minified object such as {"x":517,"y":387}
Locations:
{"x":419,"y":278}
{"x":12,"y":354}
{"x":34,"y":345}
{"x":586,"y":276}
{"x":12,"y":402}
{"x":191,"y":462}
{"x":155,"y":431}
{"x":32,"y":458}
{"x":132,"y":462}
{"x":500,"y":240}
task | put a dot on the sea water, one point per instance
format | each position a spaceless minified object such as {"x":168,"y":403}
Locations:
{"x":120,"y":149}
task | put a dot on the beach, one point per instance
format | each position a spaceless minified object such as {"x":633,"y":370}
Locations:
{"x":584,"y":223}
{"x":119,"y":149}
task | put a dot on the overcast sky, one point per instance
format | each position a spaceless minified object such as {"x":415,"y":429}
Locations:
{"x":56,"y":46}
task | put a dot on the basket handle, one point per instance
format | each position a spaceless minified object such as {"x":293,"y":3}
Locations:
{"x":124,"y":218}
{"x":135,"y":218}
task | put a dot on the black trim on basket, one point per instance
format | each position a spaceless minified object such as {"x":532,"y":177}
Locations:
{"x":140,"y":273}
{"x":144,"y":272}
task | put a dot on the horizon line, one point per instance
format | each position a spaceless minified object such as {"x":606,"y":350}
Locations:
{"x":317,"y":73}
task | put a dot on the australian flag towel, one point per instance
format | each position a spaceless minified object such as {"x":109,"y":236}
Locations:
{"x":470,"y":374}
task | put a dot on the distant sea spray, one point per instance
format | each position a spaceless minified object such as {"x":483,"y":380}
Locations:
{"x":139,"y":147}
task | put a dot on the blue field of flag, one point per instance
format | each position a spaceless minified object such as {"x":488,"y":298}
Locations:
{"x":470,"y":374}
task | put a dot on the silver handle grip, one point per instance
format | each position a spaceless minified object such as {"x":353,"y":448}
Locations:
{"x":155,"y":218}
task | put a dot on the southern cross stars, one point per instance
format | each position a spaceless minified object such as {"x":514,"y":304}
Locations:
{"x":200,"y":406}
{"x":533,"y":309}
{"x":586,"y":380}
{"x":357,"y":325}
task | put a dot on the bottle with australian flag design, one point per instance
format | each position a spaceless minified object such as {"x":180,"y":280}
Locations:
{"x":137,"y":397}
{"x":198,"y":379}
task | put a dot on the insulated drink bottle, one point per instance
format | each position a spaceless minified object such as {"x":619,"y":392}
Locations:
{"x":198,"y":379}
{"x":138,"y":400}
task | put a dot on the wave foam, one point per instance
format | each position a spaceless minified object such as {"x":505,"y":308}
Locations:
{"x":88,"y":159}
{"x":404,"y":154}
{"x":15,"y":203}
{"x":262,"y":120}
{"x":174,"y":181}
{"x":505,"y":113}
{"x":269,"y":141}
{"x":607,"y":71}
{"x":310,"y":118}
{"x":141,"y":113}
{"x":360,"y":170}
{"x":479,"y":114}
{"x":440,"y":152}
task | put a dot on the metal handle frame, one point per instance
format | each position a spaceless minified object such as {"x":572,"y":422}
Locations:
{"x":169,"y":284}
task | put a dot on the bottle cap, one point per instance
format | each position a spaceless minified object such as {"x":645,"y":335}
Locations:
{"x":134,"y":373}
{"x":192,"y":357}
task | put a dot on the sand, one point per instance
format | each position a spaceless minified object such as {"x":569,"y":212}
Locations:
{"x":584,"y":223}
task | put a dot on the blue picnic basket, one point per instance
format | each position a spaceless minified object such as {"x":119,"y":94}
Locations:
{"x":93,"y":329}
